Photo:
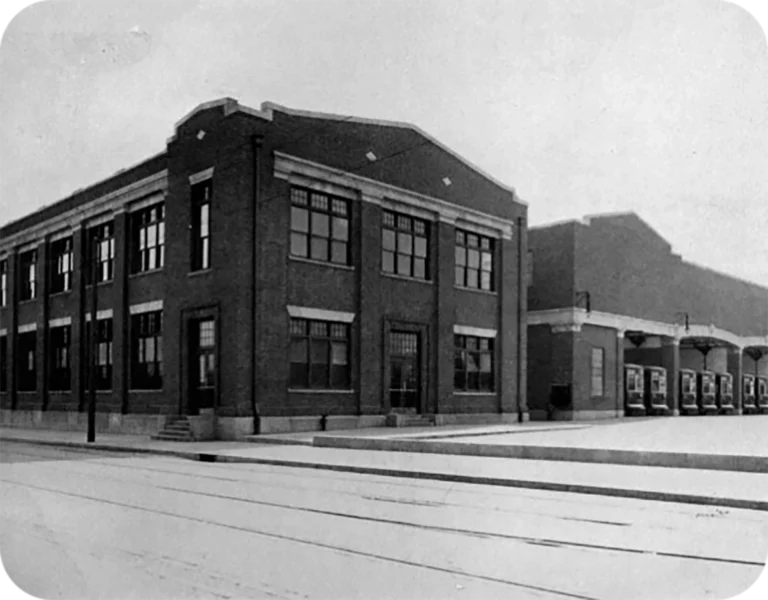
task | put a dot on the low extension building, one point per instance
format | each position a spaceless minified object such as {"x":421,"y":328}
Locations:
{"x":608,"y":291}
{"x":270,"y":270}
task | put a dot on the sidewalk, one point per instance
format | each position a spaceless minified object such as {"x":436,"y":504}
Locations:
{"x":692,"y":486}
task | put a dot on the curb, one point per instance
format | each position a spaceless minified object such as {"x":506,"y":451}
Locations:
{"x":551,"y":486}
{"x":636,"y":458}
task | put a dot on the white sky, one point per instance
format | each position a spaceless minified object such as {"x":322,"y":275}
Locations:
{"x":583,"y":106}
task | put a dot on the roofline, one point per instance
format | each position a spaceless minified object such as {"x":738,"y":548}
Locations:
{"x":269,"y":107}
{"x":81,"y":190}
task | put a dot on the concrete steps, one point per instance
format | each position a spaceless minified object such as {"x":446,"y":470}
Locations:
{"x":176,"y":429}
{"x":410,"y":420}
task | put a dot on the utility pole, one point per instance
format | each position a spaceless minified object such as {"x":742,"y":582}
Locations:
{"x":92,"y":344}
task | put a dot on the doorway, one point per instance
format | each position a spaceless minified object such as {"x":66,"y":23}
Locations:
{"x":404,"y":371}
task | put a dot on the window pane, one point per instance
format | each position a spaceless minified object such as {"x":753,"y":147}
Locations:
{"x":298,"y":244}
{"x":339,"y":353}
{"x":472,"y":278}
{"x":320,"y":224}
{"x":340,"y":229}
{"x":403,"y":264}
{"x":419,"y":268}
{"x":472,"y":240}
{"x":459,"y":278}
{"x":318,"y":328}
{"x":405,"y":243}
{"x":204,"y":214}
{"x":487,"y":264}
{"x":299,"y":351}
{"x":388,"y":219}
{"x":388,"y":261}
{"x":161,"y":233}
{"x":388,"y":239}
{"x":299,"y":375}
{"x":299,"y":219}
{"x":299,"y":197}
{"x":486,"y":362}
{"x":320,"y":248}
{"x":151,"y":236}
{"x":319,"y":351}
{"x":319,"y":201}
{"x":473,"y":259}
{"x":339,"y":252}
{"x":485,"y":280}
{"x":420,"y":247}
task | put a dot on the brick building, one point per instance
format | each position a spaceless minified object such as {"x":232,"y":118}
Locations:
{"x":270,"y":268}
{"x":608,"y":290}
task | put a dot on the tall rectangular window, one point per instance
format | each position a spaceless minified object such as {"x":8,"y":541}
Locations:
{"x":319,"y":354}
{"x":404,"y":245}
{"x":148,"y":238}
{"x":202,"y":194}
{"x":3,"y":282}
{"x":28,"y":275}
{"x":596,"y":371}
{"x":27,"y":361}
{"x":147,"y":351}
{"x":474,"y":261}
{"x":319,"y":226}
{"x":103,"y":352}
{"x":3,"y":363}
{"x":60,"y":358}
{"x":101,"y":252}
{"x":61,"y":265}
{"x":473,"y":363}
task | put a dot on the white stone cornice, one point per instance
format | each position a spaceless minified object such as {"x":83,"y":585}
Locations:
{"x":320,"y":314}
{"x":145,"y":307}
{"x":577,"y":317}
{"x":474,"y":331}
{"x":201,"y":176}
{"x":299,"y":171}
{"x":100,"y":315}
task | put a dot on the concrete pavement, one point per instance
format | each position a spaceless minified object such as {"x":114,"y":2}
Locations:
{"x":693,"y":486}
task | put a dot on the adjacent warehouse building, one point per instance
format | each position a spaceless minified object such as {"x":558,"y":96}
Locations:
{"x":271,"y":270}
{"x":608,"y":290}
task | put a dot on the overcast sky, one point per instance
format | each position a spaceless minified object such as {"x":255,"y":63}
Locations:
{"x":583,"y":106}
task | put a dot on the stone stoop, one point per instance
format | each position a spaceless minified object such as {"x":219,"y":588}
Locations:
{"x":410,"y":420}
{"x":176,"y":429}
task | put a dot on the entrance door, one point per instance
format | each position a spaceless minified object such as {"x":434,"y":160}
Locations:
{"x":404,"y":367}
{"x":202,"y":366}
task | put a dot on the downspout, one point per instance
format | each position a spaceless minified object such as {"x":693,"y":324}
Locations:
{"x":257,"y":141}
{"x":521,"y":289}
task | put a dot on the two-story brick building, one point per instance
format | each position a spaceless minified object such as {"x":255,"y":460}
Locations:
{"x":608,"y":290}
{"x":271,"y":270}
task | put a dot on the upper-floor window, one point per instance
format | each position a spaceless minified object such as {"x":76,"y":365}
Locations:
{"x":404,"y":245}
{"x":101,"y":252}
{"x":3,"y":363}
{"x":474,"y":260}
{"x":3,"y":282}
{"x":148,"y":238}
{"x":103,"y":362}
{"x":319,"y":226}
{"x":28,"y":264}
{"x":60,"y":358}
{"x":202,"y":194}
{"x":27,"y":361}
{"x":61,"y":265}
{"x":319,"y":354}
{"x":147,"y":351}
{"x":473,"y":363}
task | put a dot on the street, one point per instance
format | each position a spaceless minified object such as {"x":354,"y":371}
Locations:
{"x":84,"y":524}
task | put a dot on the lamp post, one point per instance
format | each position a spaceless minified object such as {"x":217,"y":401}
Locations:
{"x":93,"y":245}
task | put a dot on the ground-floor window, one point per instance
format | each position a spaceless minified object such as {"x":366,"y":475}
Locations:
{"x":27,"y":361}
{"x":319,"y":356}
{"x":147,"y":351}
{"x":59,"y":377}
{"x":473,"y":363}
{"x":597,"y":371}
{"x":103,"y":353}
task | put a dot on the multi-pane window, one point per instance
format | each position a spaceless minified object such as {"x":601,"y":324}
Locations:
{"x":319,"y":354}
{"x":3,"y":363}
{"x":60,"y":357}
{"x":28,"y":264}
{"x":61,"y":265}
{"x":404,"y":245}
{"x":319,"y":226}
{"x":202,"y":194}
{"x":103,"y":357}
{"x":148,"y":238}
{"x":147,"y":351}
{"x":473,"y":363}
{"x":596,"y":371}
{"x":3,"y":282}
{"x":474,"y":260}
{"x":101,"y":252}
{"x":27,"y":361}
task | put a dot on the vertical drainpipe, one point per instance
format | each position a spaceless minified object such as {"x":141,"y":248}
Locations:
{"x":257,"y":141}
{"x":521,"y":289}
